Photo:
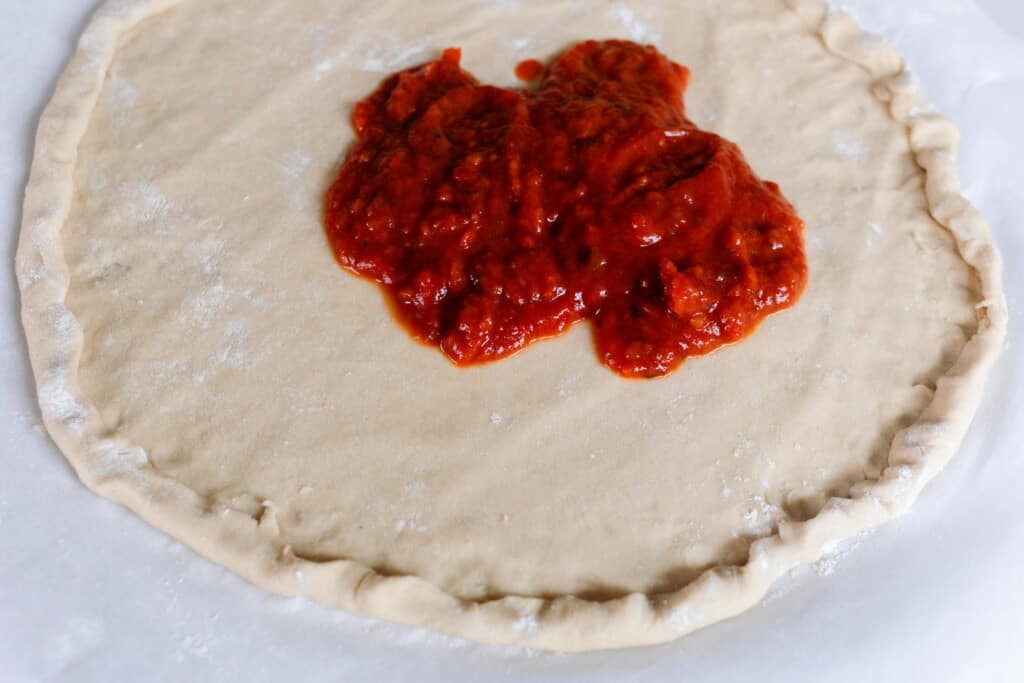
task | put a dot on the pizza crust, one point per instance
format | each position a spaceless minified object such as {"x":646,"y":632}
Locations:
{"x":252,"y":536}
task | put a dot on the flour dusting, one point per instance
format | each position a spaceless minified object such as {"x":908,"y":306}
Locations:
{"x":389,"y":54}
{"x":234,"y":349}
{"x":415,"y":487}
{"x":411,"y":524}
{"x":145,"y":204}
{"x":835,"y":553}
{"x":209,"y":252}
{"x":526,"y":623}
{"x":125,"y":94}
{"x":760,"y":516}
{"x":683,"y":617}
{"x":520,"y":45}
{"x":845,"y":145}
{"x":55,"y":397}
{"x":295,"y":163}
{"x":294,"y":166}
{"x":208,"y":306}
{"x":567,"y":385}
{"x":638,"y":30}
{"x":331,"y":63}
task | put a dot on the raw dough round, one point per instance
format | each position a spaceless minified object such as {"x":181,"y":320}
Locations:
{"x":203,"y":360}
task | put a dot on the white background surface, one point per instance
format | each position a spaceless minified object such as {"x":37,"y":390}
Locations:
{"x":90,"y":593}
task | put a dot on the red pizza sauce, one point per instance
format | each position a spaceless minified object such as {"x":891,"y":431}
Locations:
{"x":529,"y":70}
{"x":495,"y":217}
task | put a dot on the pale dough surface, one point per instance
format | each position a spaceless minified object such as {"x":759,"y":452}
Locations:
{"x":202,"y":359}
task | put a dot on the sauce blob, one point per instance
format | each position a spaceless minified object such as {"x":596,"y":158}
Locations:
{"x":494,"y":218}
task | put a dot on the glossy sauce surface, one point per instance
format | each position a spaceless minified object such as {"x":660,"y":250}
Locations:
{"x":495,"y":217}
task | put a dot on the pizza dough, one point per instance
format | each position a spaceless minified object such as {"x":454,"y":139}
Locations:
{"x":203,"y":360}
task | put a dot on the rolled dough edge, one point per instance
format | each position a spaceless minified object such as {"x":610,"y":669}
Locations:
{"x":120,"y":471}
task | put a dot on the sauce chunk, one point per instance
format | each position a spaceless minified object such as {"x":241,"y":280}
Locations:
{"x":495,"y":217}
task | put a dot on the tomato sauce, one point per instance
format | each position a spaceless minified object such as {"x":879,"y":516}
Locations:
{"x":495,"y":217}
{"x":529,"y":70}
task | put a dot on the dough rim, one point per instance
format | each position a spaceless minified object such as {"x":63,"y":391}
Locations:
{"x":120,"y":471}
